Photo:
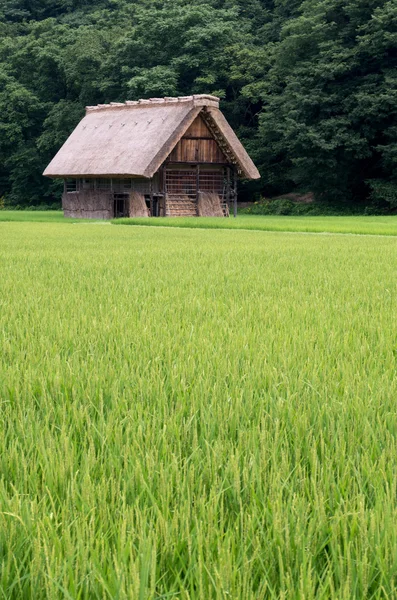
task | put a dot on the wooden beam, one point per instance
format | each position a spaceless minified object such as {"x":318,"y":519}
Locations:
{"x":165,"y":191}
{"x":197,"y":186}
{"x":160,"y":196}
{"x":197,"y":138}
{"x":151,"y":197}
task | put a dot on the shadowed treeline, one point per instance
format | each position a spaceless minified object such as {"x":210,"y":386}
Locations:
{"x":309,"y":86}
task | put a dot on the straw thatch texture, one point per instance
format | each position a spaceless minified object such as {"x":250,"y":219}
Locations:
{"x":138,"y":206}
{"x":242,"y":158}
{"x":135,"y":138}
{"x":122,"y":142}
{"x":209,"y":205}
{"x":88,"y":204}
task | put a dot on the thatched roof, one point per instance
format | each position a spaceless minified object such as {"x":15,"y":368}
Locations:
{"x":135,"y":138}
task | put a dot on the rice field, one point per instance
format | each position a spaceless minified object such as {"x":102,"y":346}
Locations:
{"x":361,"y":225}
{"x":196,"y":414}
{"x":357,"y":225}
{"x":32,"y":216}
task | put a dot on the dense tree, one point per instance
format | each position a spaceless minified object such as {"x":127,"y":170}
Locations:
{"x":310,"y":86}
{"x":330,"y":98}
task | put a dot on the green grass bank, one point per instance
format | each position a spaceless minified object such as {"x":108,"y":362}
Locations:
{"x":361,"y":225}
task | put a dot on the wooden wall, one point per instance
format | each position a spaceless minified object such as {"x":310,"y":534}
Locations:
{"x":198,"y":145}
{"x":88,"y":204}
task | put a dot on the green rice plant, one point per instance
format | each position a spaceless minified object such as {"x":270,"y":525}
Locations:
{"x":196,"y":414}
{"x":37,"y":216}
{"x":360,"y":225}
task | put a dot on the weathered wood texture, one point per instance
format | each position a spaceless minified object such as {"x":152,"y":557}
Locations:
{"x":138,"y":206}
{"x":209,"y":205}
{"x":88,"y":204}
{"x":197,"y":150}
{"x":198,"y":129}
{"x":198,"y":145}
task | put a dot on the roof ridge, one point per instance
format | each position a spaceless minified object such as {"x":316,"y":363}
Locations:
{"x":195,"y":100}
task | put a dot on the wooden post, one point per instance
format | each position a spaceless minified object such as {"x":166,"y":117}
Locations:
{"x":151,"y":198}
{"x":165,"y":190}
{"x":160,"y":201}
{"x":235,"y":192}
{"x":197,"y":186}
{"x":229,"y":187}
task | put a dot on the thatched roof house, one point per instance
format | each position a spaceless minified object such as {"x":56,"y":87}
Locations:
{"x":164,"y":156}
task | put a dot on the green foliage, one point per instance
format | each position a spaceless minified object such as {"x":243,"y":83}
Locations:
{"x":384,"y":192}
{"x":329,"y":94}
{"x":286,"y":206}
{"x":310,"y":86}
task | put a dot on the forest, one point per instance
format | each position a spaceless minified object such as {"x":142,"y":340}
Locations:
{"x":310,"y":87}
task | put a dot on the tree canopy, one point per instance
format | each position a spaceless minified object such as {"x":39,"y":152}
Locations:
{"x":310,"y":87}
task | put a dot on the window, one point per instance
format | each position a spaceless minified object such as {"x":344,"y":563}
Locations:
{"x":181,"y":183}
{"x":141,"y":185}
{"x":120,"y":185}
{"x":88,"y":184}
{"x":212,"y":182}
{"x":104,"y":184}
{"x":71,"y":185}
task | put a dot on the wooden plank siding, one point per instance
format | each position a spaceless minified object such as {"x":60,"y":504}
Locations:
{"x":198,"y":129}
{"x":198,"y":146}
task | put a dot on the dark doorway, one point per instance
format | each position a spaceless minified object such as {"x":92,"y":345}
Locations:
{"x":120,"y":206}
{"x":153,"y":206}
{"x":156,"y":211}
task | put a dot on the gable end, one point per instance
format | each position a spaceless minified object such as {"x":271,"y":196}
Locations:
{"x":198,"y":145}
